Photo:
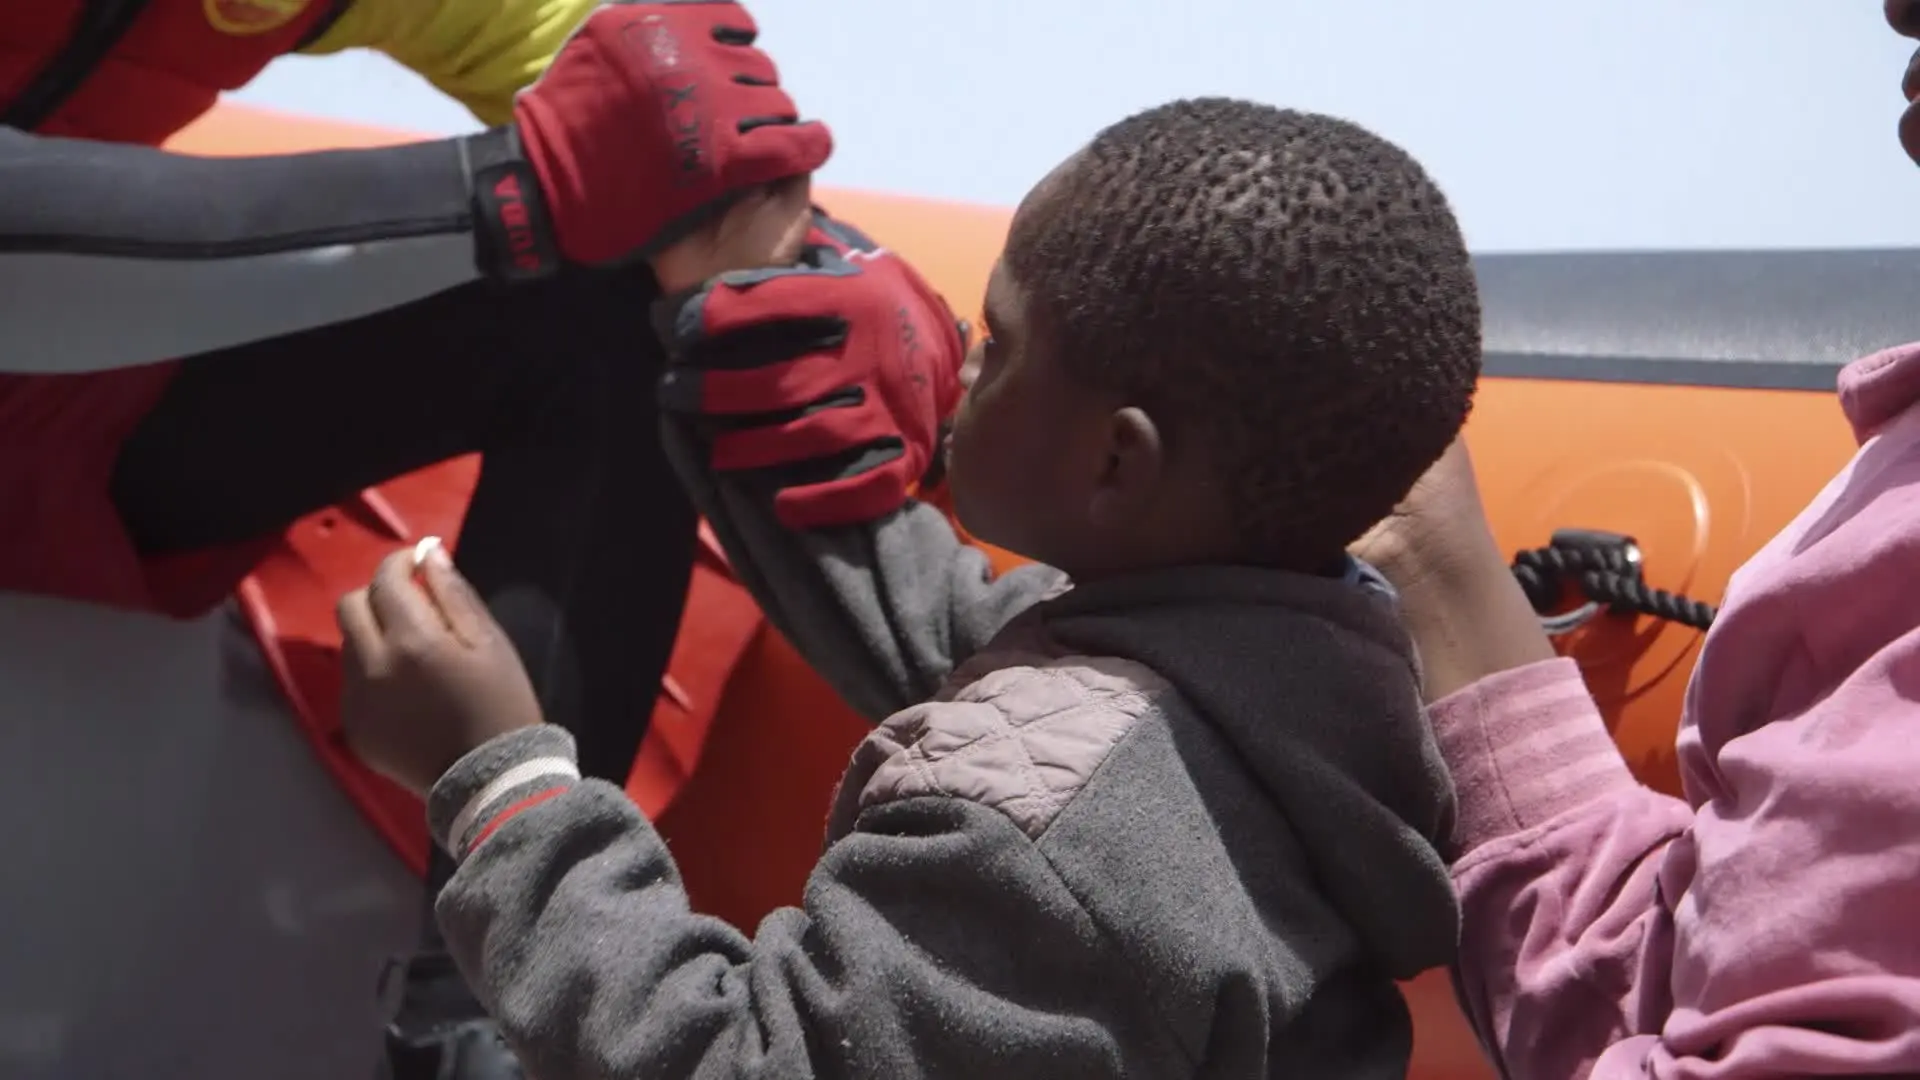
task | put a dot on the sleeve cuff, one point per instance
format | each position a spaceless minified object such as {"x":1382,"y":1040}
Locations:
{"x":497,"y":780}
{"x":1524,"y":746}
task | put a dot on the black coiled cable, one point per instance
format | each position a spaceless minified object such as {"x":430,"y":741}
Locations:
{"x":1605,"y":569}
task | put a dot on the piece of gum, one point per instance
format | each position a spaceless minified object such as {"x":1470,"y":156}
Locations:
{"x":427,"y":546}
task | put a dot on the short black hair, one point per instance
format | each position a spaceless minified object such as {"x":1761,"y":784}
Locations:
{"x":1291,"y":288}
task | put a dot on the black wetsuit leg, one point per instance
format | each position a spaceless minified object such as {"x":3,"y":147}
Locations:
{"x":578,"y":535}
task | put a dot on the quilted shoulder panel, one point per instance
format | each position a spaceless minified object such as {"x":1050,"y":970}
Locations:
{"x":1023,"y":739}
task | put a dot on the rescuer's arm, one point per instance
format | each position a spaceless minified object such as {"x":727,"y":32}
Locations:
{"x":114,"y":256}
{"x":479,"y":52}
{"x":803,"y":410}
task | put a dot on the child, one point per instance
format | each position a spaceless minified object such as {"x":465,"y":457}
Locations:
{"x":1178,"y":820}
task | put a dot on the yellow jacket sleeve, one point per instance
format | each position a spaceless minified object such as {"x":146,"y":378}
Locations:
{"x":479,"y":52}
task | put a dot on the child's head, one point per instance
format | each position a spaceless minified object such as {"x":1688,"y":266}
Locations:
{"x":1222,"y":332}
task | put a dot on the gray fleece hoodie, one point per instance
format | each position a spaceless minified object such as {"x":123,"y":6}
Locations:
{"x":1180,"y":824}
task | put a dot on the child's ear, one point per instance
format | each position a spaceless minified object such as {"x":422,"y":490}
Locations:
{"x":1136,"y":459}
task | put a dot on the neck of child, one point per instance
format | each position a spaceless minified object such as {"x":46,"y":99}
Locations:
{"x":1193,"y":553}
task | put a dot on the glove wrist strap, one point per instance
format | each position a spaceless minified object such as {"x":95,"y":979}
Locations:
{"x":512,"y":230}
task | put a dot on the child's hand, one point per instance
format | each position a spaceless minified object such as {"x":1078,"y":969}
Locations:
{"x":1458,"y":597}
{"x":429,"y":675}
{"x":1440,"y":523}
{"x":765,"y":228}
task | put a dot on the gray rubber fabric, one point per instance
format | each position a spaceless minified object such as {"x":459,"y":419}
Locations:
{"x":186,"y":894}
{"x":185,"y":307}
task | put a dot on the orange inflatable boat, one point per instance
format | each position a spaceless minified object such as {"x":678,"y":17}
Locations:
{"x":1681,"y":400}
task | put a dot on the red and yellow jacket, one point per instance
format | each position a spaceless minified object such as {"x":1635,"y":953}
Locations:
{"x":139,"y":70}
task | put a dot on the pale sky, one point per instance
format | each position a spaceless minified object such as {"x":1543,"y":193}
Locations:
{"x":1552,"y":124}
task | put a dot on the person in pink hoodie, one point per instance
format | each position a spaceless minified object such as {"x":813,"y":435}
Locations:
{"x":1768,"y":924}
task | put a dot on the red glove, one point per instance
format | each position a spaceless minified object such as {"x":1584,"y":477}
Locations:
{"x":649,"y":119}
{"x":829,"y":382}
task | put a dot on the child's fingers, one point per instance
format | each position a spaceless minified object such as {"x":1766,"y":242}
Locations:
{"x":765,"y":227}
{"x":465,"y":613}
{"x":361,"y":646}
{"x":792,"y":203}
{"x":405,"y":612}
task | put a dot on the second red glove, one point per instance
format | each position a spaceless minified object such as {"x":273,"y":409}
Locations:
{"x":830,"y":381}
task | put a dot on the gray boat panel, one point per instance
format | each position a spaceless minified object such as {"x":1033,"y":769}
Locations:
{"x":187,"y":893}
{"x":1775,"y":319}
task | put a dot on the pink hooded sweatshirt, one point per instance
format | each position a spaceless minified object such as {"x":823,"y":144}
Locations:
{"x":1769,"y":925}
